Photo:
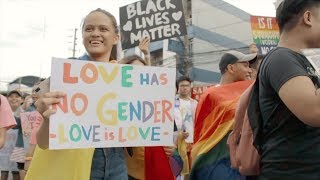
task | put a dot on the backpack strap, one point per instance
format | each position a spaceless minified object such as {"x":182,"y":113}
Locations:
{"x":255,"y":116}
{"x":254,"y":111}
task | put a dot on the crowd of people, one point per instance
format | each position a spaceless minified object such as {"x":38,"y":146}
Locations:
{"x":283,"y":110}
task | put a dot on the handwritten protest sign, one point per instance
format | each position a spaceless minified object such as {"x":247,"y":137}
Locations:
{"x":6,"y":151}
{"x":265,"y":33}
{"x":156,"y":19}
{"x":111,"y":105}
{"x":29,"y":120}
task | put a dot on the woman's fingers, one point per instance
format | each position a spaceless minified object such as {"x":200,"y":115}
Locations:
{"x":46,"y":115}
{"x":55,"y":94}
{"x":47,"y":100}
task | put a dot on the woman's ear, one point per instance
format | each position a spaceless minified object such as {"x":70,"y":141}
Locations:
{"x":116,"y":39}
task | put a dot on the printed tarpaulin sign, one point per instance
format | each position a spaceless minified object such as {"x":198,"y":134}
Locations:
{"x":197,"y":91}
{"x":265,"y":33}
{"x":6,"y":151}
{"x":111,"y":105}
{"x":156,"y":19}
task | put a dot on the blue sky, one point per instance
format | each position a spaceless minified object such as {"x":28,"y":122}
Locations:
{"x":33,"y":31}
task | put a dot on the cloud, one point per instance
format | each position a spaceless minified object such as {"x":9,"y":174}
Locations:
{"x":8,"y":44}
{"x":22,"y":35}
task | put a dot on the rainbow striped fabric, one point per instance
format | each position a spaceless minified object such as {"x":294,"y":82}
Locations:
{"x":214,"y":121}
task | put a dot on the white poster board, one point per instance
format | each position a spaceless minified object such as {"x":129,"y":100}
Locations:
{"x":111,"y":105}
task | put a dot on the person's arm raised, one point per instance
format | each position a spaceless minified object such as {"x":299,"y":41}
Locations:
{"x":144,"y":46}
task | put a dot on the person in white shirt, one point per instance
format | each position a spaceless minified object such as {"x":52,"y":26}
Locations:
{"x":184,"y":110}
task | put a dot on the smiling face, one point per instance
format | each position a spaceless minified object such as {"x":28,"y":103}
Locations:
{"x":241,"y":71}
{"x":99,"y":35}
{"x":14,"y":100}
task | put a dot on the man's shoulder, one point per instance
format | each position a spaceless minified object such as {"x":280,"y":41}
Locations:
{"x":209,"y":91}
{"x":226,"y":91}
{"x":281,"y":54}
{"x":84,"y":57}
{"x":194,"y":101}
{"x":281,"y":59}
{"x":230,"y":87}
{"x":211,"y":94}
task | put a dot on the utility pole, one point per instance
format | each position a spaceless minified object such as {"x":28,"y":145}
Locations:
{"x":74,"y":43}
{"x":186,"y":60}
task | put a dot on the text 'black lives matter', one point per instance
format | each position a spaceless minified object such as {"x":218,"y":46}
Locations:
{"x":156,"y":19}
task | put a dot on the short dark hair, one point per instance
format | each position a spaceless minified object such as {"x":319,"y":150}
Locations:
{"x":226,"y":59}
{"x":288,"y":12}
{"x":182,"y":78}
{"x":131,"y":59}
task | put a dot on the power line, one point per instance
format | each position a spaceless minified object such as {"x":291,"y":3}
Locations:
{"x":226,"y":25}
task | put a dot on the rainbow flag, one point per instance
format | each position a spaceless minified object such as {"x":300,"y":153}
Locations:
{"x":149,"y":163}
{"x":157,"y":166}
{"x":214,"y":121}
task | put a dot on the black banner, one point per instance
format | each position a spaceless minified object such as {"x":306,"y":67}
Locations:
{"x":156,"y":19}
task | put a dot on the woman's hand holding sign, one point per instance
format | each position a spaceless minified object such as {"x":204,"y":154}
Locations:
{"x":43,"y":105}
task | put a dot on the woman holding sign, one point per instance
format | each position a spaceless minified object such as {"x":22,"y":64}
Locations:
{"x":100,"y":36}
